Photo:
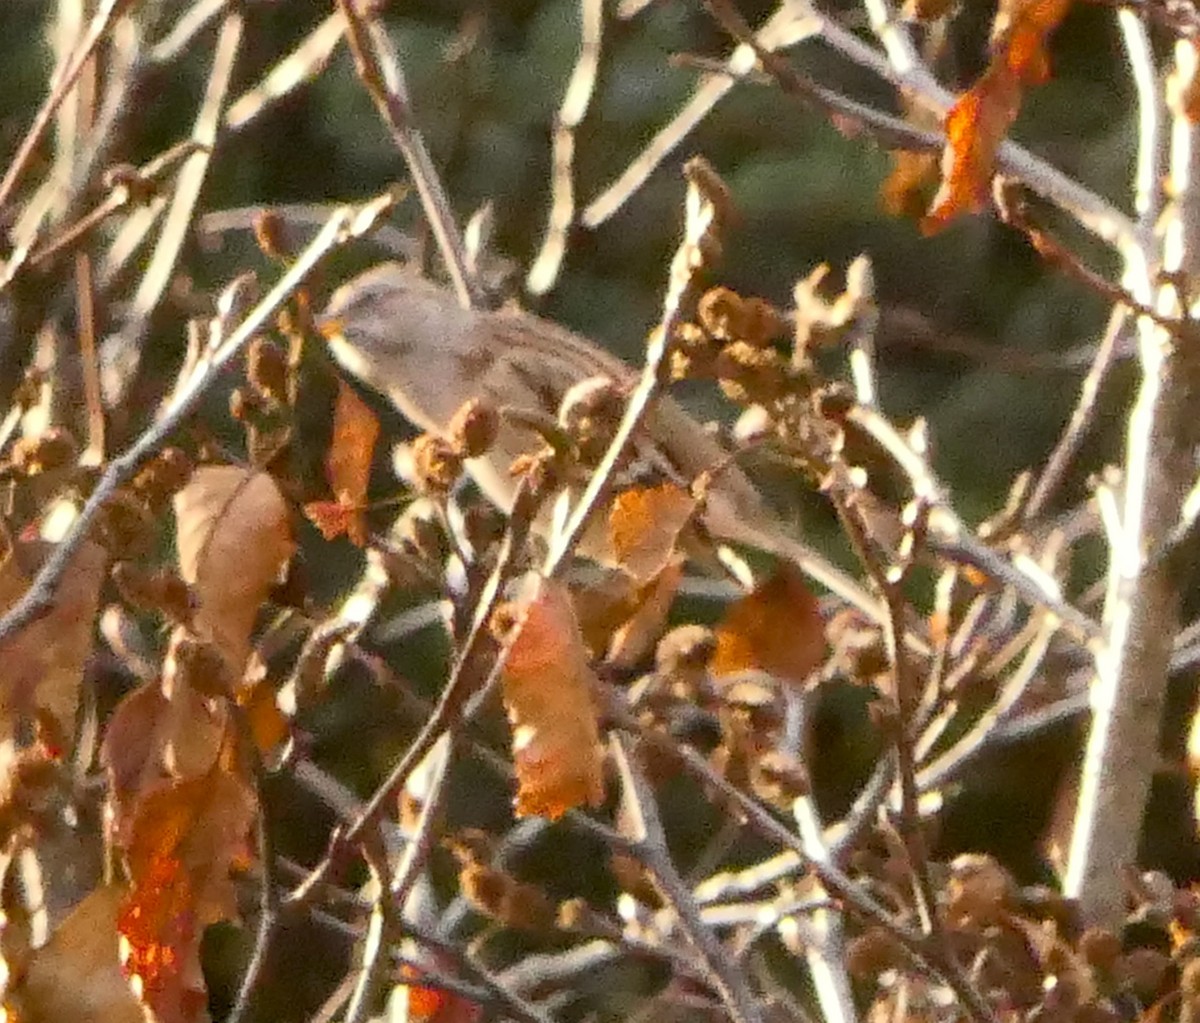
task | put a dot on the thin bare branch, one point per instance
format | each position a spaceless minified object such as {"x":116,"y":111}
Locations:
{"x":379,"y":68}
{"x":544,"y":271}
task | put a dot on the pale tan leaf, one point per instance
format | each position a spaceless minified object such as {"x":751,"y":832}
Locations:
{"x":234,"y":538}
{"x":77,"y":974}
{"x":641,"y":630}
{"x":41,"y":666}
{"x":160,"y":733}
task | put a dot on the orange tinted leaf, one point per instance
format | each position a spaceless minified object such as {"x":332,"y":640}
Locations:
{"x":777,"y":628}
{"x":184,"y":840}
{"x":979,"y":120}
{"x":335,"y":518}
{"x":431,"y":1005}
{"x":975,"y":127}
{"x":268,"y":726}
{"x":547,"y":691}
{"x":234,"y":539}
{"x":348,"y":464}
{"x":644,"y":527}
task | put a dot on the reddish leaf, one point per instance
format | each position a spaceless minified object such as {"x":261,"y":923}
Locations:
{"x":979,"y":120}
{"x":430,"y":1005}
{"x":335,"y":518}
{"x":547,"y":691}
{"x":184,"y":841}
{"x":778,"y":629}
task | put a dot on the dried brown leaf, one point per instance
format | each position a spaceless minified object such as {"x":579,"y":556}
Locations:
{"x":777,"y":628}
{"x":41,"y":666}
{"x":638,"y":634}
{"x":161,"y":732}
{"x":234,"y":538}
{"x":348,"y":463}
{"x":547,"y":691}
{"x":644,"y":527}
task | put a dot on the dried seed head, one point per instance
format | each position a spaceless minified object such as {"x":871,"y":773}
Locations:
{"x":873,"y":953}
{"x":473,"y":429}
{"x":162,"y":477}
{"x":979,"y":889}
{"x":750,"y":374}
{"x":779,"y":778}
{"x":590,"y":413}
{"x":685,"y":649}
{"x":50,"y":450}
{"x":419,"y":530}
{"x":1101,"y":949}
{"x":436,"y":464}
{"x":728,"y":316}
{"x":693,"y":353}
{"x":271,"y":235}
{"x":267,"y":369}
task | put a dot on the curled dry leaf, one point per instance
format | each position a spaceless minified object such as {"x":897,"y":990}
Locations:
{"x":547,"y":692}
{"x":979,"y":120}
{"x":42,"y":664}
{"x":234,"y":538}
{"x":621,"y":618}
{"x":777,"y":628}
{"x":638,"y":634}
